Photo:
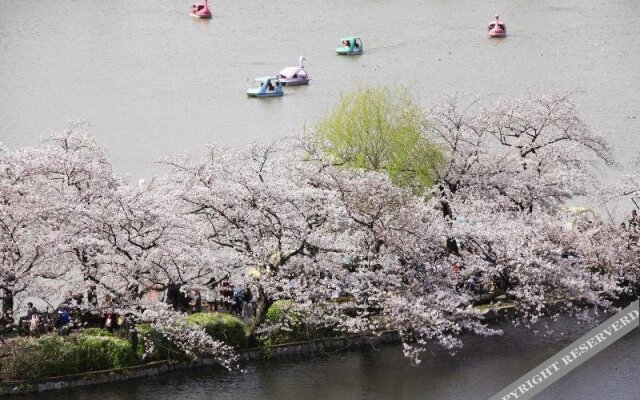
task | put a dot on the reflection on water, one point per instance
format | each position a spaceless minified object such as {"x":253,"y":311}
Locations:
{"x":152,"y":80}
{"x":481,"y":369}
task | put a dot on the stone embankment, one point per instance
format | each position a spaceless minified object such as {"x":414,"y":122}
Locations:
{"x":317,"y":346}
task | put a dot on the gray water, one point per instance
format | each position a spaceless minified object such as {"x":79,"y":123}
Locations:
{"x":152,"y":81}
{"x":481,"y":369}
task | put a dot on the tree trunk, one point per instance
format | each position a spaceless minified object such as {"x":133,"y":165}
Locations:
{"x":452,"y":245}
{"x":487,"y":297}
{"x":133,"y":341}
{"x":7,"y":306}
{"x":261,"y":314}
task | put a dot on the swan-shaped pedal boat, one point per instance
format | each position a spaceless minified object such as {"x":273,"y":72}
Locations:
{"x":200,"y":10}
{"x":268,"y":86}
{"x":350,"y":46}
{"x":497,"y":28}
{"x":294,"y":75}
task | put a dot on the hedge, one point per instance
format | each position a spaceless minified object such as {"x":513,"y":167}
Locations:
{"x":97,"y":332}
{"x":162,"y":348}
{"x":104,"y":352}
{"x":289,"y":325}
{"x":30,"y":358}
{"x":221,"y":326}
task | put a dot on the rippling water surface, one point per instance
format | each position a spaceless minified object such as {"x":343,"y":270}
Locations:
{"x":153,"y":81}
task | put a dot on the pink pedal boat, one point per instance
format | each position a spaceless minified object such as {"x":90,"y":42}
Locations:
{"x":200,"y":10}
{"x":291,"y":76}
{"x":497,"y":28}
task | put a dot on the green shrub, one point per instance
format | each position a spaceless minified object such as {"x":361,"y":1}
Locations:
{"x":59,"y":356}
{"x":221,"y":326}
{"x":280,"y":311}
{"x":163,"y":349}
{"x":54,"y":355}
{"x":104,"y":352}
{"x":97,"y":332}
{"x":20,"y":359}
{"x":288,"y":324}
{"x":30,"y":358}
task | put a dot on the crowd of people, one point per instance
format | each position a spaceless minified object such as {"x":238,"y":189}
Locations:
{"x":239,"y":300}
{"x":77,"y":310}
{"x":235,"y":299}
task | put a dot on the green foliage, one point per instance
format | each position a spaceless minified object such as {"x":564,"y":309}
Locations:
{"x":54,"y":355}
{"x":97,"y":332}
{"x":381,"y":129}
{"x":162,"y":348}
{"x":104,"y":352}
{"x":34,"y":358}
{"x":221,"y":326}
{"x":283,"y":324}
{"x":59,"y":356}
{"x":282,"y":311}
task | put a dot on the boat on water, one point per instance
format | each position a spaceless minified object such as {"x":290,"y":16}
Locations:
{"x":200,"y":10}
{"x":351,"y":45}
{"x":497,"y":28}
{"x":268,"y":86}
{"x":291,"y":76}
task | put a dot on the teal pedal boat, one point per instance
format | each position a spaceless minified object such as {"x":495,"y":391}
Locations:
{"x":350,"y":46}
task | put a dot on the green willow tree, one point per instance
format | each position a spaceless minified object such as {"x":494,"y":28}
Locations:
{"x":381,"y":129}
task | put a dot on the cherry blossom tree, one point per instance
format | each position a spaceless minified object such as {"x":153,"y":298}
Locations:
{"x":351,"y":249}
{"x":258,"y":213}
{"x":533,"y":152}
{"x":68,"y":222}
{"x":506,"y":196}
{"x":27,"y":231}
{"x":625,"y":238}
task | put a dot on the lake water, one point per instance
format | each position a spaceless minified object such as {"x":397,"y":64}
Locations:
{"x":152,"y":81}
{"x":481,"y":369}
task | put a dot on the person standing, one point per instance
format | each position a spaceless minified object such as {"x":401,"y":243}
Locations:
{"x":634,"y":220}
{"x":31,"y":312}
{"x":92,"y":296}
{"x":238,"y":300}
{"x":196,"y":301}
{"x":247,"y":298}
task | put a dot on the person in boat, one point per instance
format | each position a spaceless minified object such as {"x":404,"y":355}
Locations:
{"x":356,"y":46}
{"x":347,"y":43}
{"x":270,"y":86}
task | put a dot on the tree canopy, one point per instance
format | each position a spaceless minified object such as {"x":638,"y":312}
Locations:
{"x":381,"y":129}
{"x":309,"y":228}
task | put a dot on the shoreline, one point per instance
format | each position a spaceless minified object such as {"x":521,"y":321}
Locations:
{"x":154,"y":368}
{"x":500,"y":311}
